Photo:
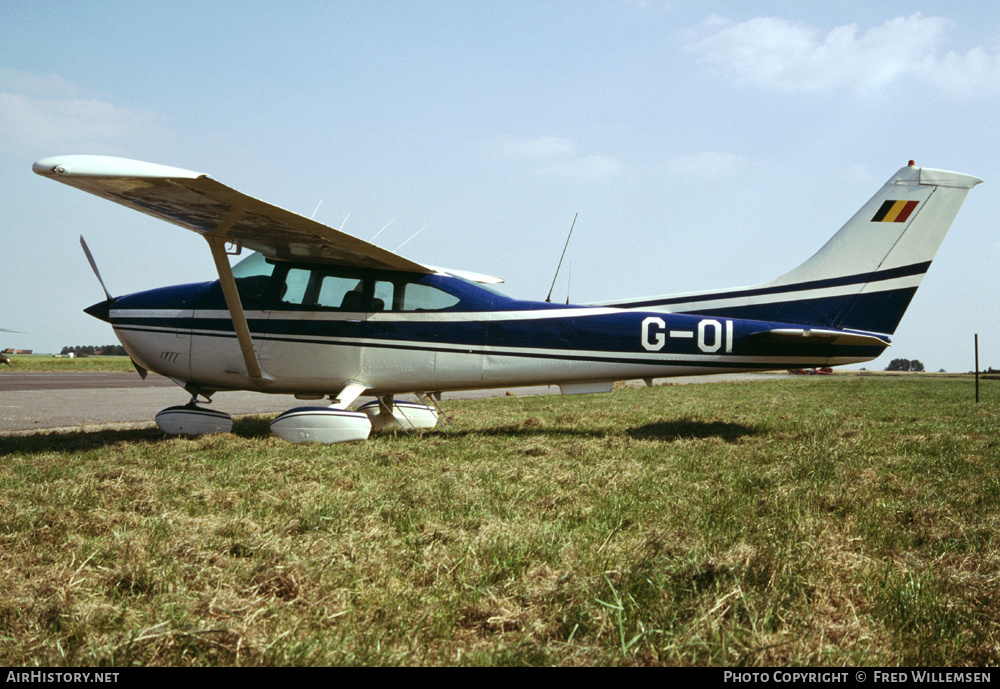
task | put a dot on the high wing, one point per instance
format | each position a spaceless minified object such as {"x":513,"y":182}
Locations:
{"x":221,"y":215}
{"x":197,"y":202}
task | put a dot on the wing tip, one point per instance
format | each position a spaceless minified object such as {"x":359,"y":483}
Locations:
{"x":107,"y":166}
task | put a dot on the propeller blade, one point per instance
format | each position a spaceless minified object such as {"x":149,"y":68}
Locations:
{"x":93,"y":266}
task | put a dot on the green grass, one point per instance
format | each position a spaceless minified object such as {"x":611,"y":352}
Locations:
{"x":42,"y":362}
{"x":823,"y":521}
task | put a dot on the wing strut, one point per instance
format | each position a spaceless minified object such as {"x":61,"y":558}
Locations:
{"x":217,"y":242}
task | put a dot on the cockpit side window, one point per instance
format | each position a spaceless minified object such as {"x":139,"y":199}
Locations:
{"x":336,"y":292}
{"x":296,"y":286}
{"x":254,"y":280}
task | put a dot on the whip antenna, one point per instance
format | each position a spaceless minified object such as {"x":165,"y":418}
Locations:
{"x":549,"y":298}
{"x":413,"y":235}
{"x":387,"y":224}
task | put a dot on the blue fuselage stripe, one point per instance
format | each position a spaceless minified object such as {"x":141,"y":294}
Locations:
{"x":857,"y":279}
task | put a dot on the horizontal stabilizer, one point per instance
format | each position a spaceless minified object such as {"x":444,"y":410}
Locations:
{"x":818,"y":336}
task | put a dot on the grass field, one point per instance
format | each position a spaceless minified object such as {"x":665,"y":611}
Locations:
{"x":834,"y":520}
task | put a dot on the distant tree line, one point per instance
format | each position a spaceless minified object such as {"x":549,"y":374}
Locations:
{"x":90,"y":350}
{"x":905,"y":365}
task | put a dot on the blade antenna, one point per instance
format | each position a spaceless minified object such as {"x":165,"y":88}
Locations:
{"x":549,"y":298}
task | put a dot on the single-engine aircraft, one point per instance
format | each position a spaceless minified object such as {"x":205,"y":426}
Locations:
{"x":318,"y":313}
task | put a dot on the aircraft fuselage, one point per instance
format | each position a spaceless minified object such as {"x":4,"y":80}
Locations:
{"x":316,"y":329}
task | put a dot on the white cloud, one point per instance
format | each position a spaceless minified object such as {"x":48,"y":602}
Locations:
{"x":589,"y":167}
{"x":783,"y":55}
{"x":540,"y":147}
{"x":707,"y":165}
{"x":16,"y":81}
{"x":48,"y":113}
{"x":554,"y":157}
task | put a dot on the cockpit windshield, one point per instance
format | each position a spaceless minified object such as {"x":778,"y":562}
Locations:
{"x":253,"y":265}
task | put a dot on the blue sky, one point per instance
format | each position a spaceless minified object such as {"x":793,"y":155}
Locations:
{"x":704,"y":145}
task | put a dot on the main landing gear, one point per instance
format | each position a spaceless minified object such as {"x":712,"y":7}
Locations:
{"x":190,"y":419}
{"x":314,"y":424}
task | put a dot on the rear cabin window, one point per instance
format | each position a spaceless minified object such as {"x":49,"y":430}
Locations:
{"x":418,"y":297}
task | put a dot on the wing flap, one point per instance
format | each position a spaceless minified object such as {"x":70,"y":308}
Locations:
{"x":195,"y":201}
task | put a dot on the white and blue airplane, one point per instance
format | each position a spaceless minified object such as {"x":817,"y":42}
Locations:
{"x":318,"y":313}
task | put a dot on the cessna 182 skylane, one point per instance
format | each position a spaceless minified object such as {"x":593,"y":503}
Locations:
{"x":316,"y":312}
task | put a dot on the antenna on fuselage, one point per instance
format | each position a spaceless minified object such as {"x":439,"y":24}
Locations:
{"x":313,"y":216}
{"x":549,"y":298}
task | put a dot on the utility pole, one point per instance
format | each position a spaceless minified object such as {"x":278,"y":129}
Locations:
{"x":977,"y":368}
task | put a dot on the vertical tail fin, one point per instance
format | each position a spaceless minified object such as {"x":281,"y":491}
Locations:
{"x":865,"y":276}
{"x":880,"y":256}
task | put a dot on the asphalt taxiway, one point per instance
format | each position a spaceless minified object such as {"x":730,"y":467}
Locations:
{"x":46,"y":401}
{"x":74,"y":400}
{"x":32,"y":402}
